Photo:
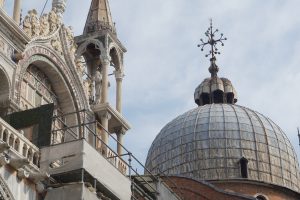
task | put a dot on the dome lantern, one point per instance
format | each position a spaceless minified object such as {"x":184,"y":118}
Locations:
{"x":214,"y":89}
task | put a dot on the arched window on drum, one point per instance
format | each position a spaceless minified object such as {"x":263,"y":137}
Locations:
{"x":36,"y":90}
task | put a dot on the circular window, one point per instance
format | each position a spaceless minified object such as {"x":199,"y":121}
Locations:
{"x":261,"y":197}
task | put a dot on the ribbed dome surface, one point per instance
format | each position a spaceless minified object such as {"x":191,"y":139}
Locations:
{"x":208,"y":142}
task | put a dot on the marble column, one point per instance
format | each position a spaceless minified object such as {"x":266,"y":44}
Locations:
{"x":120,"y":136}
{"x":17,"y":11}
{"x":105,"y":60}
{"x":104,"y":121}
{"x":119,"y":78}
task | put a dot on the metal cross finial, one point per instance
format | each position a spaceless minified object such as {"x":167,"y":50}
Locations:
{"x":210,"y":33}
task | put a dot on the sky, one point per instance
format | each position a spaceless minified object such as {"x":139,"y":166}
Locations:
{"x":163,"y":65}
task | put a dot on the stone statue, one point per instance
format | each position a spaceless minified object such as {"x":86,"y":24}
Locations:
{"x":70,"y":38}
{"x":80,"y":66}
{"x":27,"y":25}
{"x":98,"y":85}
{"x":35,"y":23}
{"x":44,"y":23}
{"x":87,"y":88}
{"x":53,"y":20}
{"x":57,"y":45}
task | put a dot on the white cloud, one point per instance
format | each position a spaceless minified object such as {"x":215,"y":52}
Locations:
{"x":163,"y":65}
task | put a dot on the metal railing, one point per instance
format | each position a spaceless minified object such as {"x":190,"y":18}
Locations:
{"x":89,"y":129}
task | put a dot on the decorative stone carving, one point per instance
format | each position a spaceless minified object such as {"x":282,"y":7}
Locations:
{"x":80,"y":66}
{"x":60,"y":6}
{"x":71,"y":42}
{"x":5,"y":192}
{"x":27,"y":25}
{"x":2,"y":45}
{"x":44,"y":23}
{"x":53,"y":20}
{"x":35,"y":23}
{"x":22,"y":173}
{"x":98,"y":85}
{"x":87,"y":84}
{"x":17,"y":56}
{"x":47,"y":24}
{"x":56,"y":44}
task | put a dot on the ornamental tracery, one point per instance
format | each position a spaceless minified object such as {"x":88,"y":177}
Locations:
{"x":5,"y":193}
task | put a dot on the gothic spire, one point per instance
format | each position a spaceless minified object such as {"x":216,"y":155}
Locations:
{"x":99,"y":17}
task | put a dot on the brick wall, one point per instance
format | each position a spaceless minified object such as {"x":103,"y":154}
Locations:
{"x":190,"y":189}
{"x":251,"y":188}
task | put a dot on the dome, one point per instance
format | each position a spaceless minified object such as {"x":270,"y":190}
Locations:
{"x":212,"y":142}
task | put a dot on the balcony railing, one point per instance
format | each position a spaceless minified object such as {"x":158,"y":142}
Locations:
{"x":126,"y":163}
{"x":18,"y":143}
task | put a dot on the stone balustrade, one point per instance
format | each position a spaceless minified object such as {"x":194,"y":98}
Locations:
{"x":18,"y":143}
{"x":119,"y":163}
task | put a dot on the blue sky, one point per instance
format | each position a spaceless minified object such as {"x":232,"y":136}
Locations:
{"x":163,"y":66}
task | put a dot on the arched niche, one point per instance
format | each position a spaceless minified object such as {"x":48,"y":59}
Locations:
{"x":91,"y":50}
{"x":4,"y":92}
{"x":115,"y":66}
{"x":62,"y":90}
{"x":116,"y":58}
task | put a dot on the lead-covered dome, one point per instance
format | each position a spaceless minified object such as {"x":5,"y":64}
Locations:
{"x":211,"y":142}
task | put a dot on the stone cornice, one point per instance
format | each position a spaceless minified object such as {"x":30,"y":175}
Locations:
{"x":82,"y":38}
{"x":15,"y":33}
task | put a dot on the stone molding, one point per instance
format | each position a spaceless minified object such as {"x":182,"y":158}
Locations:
{"x":38,"y":52}
{"x":5,"y":192}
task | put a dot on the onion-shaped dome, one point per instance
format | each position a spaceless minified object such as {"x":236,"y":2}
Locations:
{"x":225,"y":142}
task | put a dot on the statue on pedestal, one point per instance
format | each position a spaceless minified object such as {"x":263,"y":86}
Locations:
{"x":98,"y":85}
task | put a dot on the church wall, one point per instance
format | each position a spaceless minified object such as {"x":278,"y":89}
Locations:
{"x":71,"y":191}
{"x":21,"y":189}
{"x":188,"y":188}
{"x":269,"y":191}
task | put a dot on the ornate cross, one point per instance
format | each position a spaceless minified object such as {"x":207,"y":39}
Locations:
{"x":210,"y":33}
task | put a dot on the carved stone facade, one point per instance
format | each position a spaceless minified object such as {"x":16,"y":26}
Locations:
{"x":40,"y":65}
{"x":43,"y":26}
